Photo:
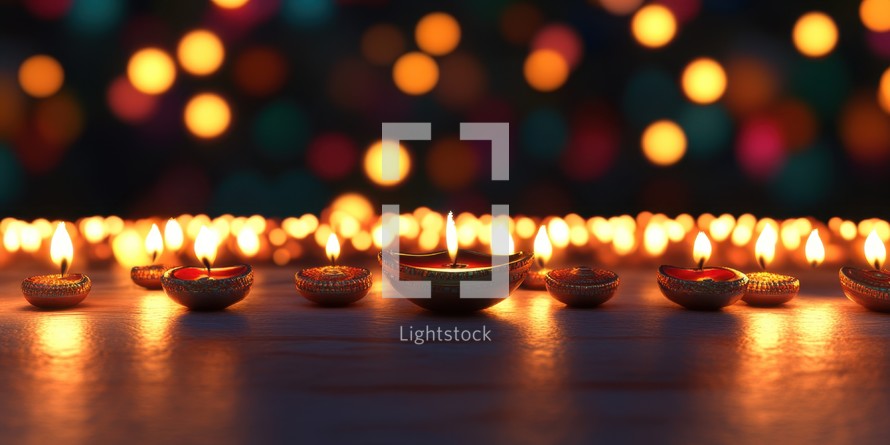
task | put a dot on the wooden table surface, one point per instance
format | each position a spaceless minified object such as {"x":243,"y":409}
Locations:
{"x":130,"y":367}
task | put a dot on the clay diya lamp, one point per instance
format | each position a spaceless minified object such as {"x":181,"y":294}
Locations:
{"x":869,"y":288}
{"x":767,"y":289}
{"x":446,"y":270}
{"x":61,"y":290}
{"x":582,"y":286}
{"x":149,"y":276}
{"x":207,"y":288}
{"x":333,"y":285}
{"x":702,"y":288}
{"x":543,"y":252}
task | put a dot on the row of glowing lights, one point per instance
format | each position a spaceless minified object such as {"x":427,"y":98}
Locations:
{"x":137,"y":242}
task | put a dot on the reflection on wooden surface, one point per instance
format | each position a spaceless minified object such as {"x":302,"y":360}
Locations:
{"x":130,"y":366}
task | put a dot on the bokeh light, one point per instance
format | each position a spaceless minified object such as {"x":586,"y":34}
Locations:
{"x":865,"y":130}
{"x":151,"y":71}
{"x":200,"y":52}
{"x":544,"y":134}
{"x":562,"y":39}
{"x":41,"y":76}
{"x":650,"y":94}
{"x":707,"y":128}
{"x":620,"y":7}
{"x":260,"y":71}
{"x":331,"y":156}
{"x":281,"y":130}
{"x":48,"y":9}
{"x":664,"y":143}
{"x":884,"y":91}
{"x":415,"y":73}
{"x":382,"y":44}
{"x":59,"y":119}
{"x":307,"y":13}
{"x":654,"y":26}
{"x":704,"y":81}
{"x":754,"y":84}
{"x":207,"y":115}
{"x":815,"y":34}
{"x":230,"y":4}
{"x":759,"y":148}
{"x":875,"y":14}
{"x":519,"y":22}
{"x":451,"y":164}
{"x":92,"y":17}
{"x":374,"y":164}
{"x":437,"y":33}
{"x":546,"y":70}
{"x":462,"y":82}
{"x":128,"y":103}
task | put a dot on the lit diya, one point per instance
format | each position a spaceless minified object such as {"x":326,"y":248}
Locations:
{"x":149,"y":276}
{"x":543,"y":252}
{"x":767,"y":288}
{"x":581,"y":286}
{"x":61,"y":290}
{"x":333,"y":285}
{"x":207,"y":288}
{"x":869,"y":287}
{"x":702,"y":288}
{"x":445,"y":270}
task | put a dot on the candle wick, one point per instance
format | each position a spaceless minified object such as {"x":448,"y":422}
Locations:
{"x":762,"y":262}
{"x":701,"y":263}
{"x":207,"y":265}
{"x":877,"y":265}
{"x":64,"y":268}
{"x":813,"y":264}
{"x":333,"y":260}
{"x":154,"y":256}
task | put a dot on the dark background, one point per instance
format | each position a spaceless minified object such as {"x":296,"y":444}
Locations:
{"x":573,"y":150}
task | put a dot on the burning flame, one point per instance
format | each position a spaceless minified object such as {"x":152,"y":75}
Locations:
{"x":332,"y":249}
{"x":451,"y":238}
{"x":814,"y":249}
{"x":543,"y":248}
{"x":875,"y":252}
{"x":701,"y":251}
{"x":61,"y":250}
{"x":765,"y":249}
{"x":205,"y":246}
{"x":154,"y":245}
{"x":248,"y":242}
{"x":173,"y":235}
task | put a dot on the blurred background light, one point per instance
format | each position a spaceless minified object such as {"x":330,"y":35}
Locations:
{"x":815,"y":34}
{"x":875,"y":14}
{"x":207,"y":115}
{"x":129,"y":104}
{"x":759,"y":148}
{"x":884,"y":91}
{"x":151,"y":71}
{"x":415,"y":73}
{"x":93,"y":17}
{"x":546,"y":70}
{"x":382,"y":44}
{"x":260,"y":71}
{"x":41,"y":76}
{"x":230,"y":4}
{"x":332,"y":156}
{"x":654,"y":26}
{"x":437,"y":33}
{"x":620,"y":7}
{"x":519,"y":22}
{"x":307,"y":13}
{"x":374,"y":164}
{"x":200,"y":52}
{"x":664,"y":143}
{"x":704,"y":81}
{"x":281,"y":130}
{"x":708,"y":129}
{"x":560,"y":38}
